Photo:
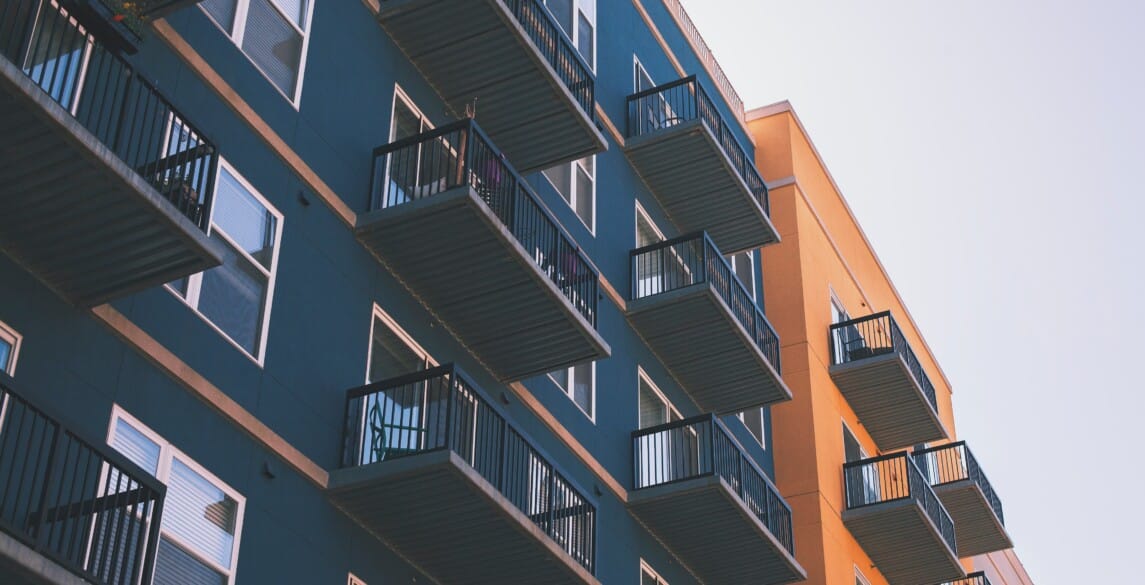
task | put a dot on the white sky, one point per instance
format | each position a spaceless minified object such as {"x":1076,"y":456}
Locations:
{"x":992,"y":152}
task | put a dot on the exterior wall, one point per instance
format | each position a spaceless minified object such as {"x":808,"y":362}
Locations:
{"x":824,"y":251}
{"x":271,"y":431}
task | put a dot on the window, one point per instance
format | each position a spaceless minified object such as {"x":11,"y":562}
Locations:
{"x":868,"y":490}
{"x":406,"y":176}
{"x":274,"y":35}
{"x":859,"y":578}
{"x":648,"y":576}
{"x":576,"y":182}
{"x":641,"y":80}
{"x":649,"y":278}
{"x":845,"y":339}
{"x":9,"y":349}
{"x":743,"y":264}
{"x":579,"y":383}
{"x":756,"y":423}
{"x":202,"y":516}
{"x":655,"y":409}
{"x":236,"y":296}
{"x":393,"y":352}
{"x":578,"y":19}
{"x":353,"y":580}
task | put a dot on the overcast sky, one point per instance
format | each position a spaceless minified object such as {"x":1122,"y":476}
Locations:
{"x":993,"y":152}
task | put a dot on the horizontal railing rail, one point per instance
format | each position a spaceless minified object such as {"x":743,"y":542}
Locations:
{"x":875,"y":335}
{"x":460,"y":154}
{"x":84,"y":506}
{"x":702,"y":446}
{"x":684,"y":100}
{"x":441,"y":409}
{"x":113,"y":101}
{"x":693,"y":259}
{"x":892,"y":478}
{"x":954,"y":462}
{"x":978,"y":578}
{"x":558,"y":51}
{"x":707,"y":58}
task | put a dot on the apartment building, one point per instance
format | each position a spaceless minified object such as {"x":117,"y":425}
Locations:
{"x":882,"y":488}
{"x":422,"y":291}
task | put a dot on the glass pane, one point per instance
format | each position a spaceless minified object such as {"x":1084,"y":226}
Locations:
{"x":233,"y":296}
{"x":5,"y":354}
{"x":200,"y":514}
{"x":645,"y":233}
{"x":135,"y":446}
{"x":561,"y":377}
{"x":406,"y":122}
{"x":584,"y":42}
{"x":582,"y":387}
{"x":246,"y":221}
{"x":390,"y":356}
{"x":273,"y":44}
{"x":294,"y":10}
{"x":653,"y":411}
{"x":643,"y":80}
{"x":563,"y":13}
{"x":223,"y":11}
{"x":753,"y":419}
{"x":56,"y":56}
{"x":174,"y":566}
{"x":585,"y":205}
{"x":561,"y":178}
{"x":743,"y":264}
{"x":647,"y":578}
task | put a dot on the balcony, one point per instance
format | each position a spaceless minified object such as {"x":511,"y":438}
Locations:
{"x":533,"y":92}
{"x":695,"y":314}
{"x":972,"y":579}
{"x":466,"y":234}
{"x":965,"y":492}
{"x":711,"y":505}
{"x":70,"y":511}
{"x":882,"y":379}
{"x":105,"y":188}
{"x":688,"y":156}
{"x":899,"y":521}
{"x":440,"y":475}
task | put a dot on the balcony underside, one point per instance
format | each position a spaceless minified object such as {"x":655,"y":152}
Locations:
{"x":689,"y":173}
{"x":453,"y":253}
{"x":476,"y":49}
{"x":75,"y":215}
{"x":976,"y":527}
{"x":22,"y":565}
{"x":903,"y":543}
{"x":714,"y":533}
{"x":696,"y":336}
{"x":442,"y":515}
{"x":888,"y":401}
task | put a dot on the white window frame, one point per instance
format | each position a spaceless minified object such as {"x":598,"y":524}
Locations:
{"x":640,"y":212}
{"x":733,"y":260}
{"x":378,"y":315}
{"x":637,"y":67}
{"x":572,"y":200}
{"x":571,"y":390}
{"x":168,"y":454}
{"x":643,"y":375}
{"x":859,"y":577}
{"x":242,"y":8}
{"x":354,"y":580}
{"x":400,"y":94}
{"x":11,"y":337}
{"x":762,"y":439}
{"x":195,"y":281}
{"x":646,"y":567}
{"x":588,"y":8}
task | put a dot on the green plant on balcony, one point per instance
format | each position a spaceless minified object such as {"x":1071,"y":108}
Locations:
{"x":129,"y":13}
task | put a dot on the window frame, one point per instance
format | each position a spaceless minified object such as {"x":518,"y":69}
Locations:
{"x":242,"y":8}
{"x":13,"y":339}
{"x":574,"y":34}
{"x":168,"y":453}
{"x":642,"y":213}
{"x":762,"y":439}
{"x":572,"y":200}
{"x":733,"y":260}
{"x":646,"y":567}
{"x":860,"y":579}
{"x":195,"y":281}
{"x":354,"y":580}
{"x":570,"y":392}
{"x":642,"y":375}
{"x":637,"y":67}
{"x":379,"y":315}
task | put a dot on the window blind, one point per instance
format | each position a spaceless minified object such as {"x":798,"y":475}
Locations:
{"x":273,"y":44}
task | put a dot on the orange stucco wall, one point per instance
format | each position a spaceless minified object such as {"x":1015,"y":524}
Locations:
{"x":823,"y":251}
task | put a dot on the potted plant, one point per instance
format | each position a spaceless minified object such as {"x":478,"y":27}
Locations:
{"x":119,"y":24}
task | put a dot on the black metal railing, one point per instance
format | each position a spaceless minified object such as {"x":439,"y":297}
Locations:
{"x":978,"y":578}
{"x":460,"y":154}
{"x":83,"y":506}
{"x":684,"y":100}
{"x":954,"y":462}
{"x":892,"y":478}
{"x":876,"y":335}
{"x":441,"y":409}
{"x":693,"y":259}
{"x":112,"y":100}
{"x":558,"y":50}
{"x":703,"y":446}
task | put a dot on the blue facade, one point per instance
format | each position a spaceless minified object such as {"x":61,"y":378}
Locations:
{"x":325,"y":288}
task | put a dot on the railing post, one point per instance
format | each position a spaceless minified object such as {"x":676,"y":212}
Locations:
{"x":551,"y":528}
{"x":40,"y":535}
{"x":712,"y":444}
{"x":152,"y":548}
{"x":123,"y":109}
{"x":449,"y":395}
{"x":503,"y":473}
